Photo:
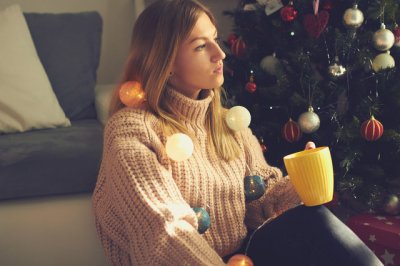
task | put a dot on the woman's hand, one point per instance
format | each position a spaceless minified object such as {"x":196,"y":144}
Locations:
{"x":310,"y":145}
{"x":282,"y":195}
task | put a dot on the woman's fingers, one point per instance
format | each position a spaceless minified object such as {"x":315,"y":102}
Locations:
{"x":310,"y":145}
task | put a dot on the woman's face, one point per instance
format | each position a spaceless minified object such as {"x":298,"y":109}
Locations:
{"x":198,"y":64}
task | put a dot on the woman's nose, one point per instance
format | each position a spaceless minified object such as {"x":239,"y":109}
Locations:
{"x":219,"y":54}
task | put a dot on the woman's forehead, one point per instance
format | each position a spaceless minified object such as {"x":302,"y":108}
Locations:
{"x":203,"y":28}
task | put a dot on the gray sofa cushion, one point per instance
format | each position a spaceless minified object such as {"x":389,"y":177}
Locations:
{"x":52,"y":161}
{"x":68,"y":45}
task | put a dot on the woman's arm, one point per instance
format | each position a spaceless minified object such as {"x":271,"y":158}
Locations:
{"x":279,"y":195}
{"x":159,"y":227}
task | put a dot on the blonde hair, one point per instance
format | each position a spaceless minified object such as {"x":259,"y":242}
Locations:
{"x":158,"y":32}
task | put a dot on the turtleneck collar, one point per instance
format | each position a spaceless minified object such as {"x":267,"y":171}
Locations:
{"x":191,"y":111}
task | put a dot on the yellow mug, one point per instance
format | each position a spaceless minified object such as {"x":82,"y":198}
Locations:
{"x":311,"y":173}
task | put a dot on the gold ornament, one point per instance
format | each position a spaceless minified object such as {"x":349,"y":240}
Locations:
{"x":353,"y":17}
{"x":383,"y":61}
{"x":383,"y":39}
{"x":309,"y":121}
{"x":336,"y":70}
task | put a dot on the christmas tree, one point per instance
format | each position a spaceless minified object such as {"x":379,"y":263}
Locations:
{"x":323,"y":71}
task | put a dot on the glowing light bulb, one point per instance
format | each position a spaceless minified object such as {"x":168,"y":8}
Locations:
{"x":131,"y":94}
{"x":179,"y":147}
{"x":238,"y":118}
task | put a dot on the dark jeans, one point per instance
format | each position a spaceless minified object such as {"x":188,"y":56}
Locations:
{"x":309,"y":236}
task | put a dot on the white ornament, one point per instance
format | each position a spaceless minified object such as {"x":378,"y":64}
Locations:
{"x":238,"y":118}
{"x":271,"y":6}
{"x":383,"y":61}
{"x":383,"y":39}
{"x":179,"y":147}
{"x":309,"y":121}
{"x":262,"y":2}
{"x":353,"y":17}
{"x":250,"y":7}
{"x":271,"y":65}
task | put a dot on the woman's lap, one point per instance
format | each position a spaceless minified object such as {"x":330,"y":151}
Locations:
{"x":308,"y":236}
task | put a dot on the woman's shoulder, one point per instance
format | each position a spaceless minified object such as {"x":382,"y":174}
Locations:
{"x":132,"y":121}
{"x":131,"y":115}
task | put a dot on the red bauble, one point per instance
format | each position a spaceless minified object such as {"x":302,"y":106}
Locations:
{"x":288,"y":13}
{"x":371,"y":129}
{"x":238,"y":48}
{"x":396,"y":33}
{"x":251,"y":87}
{"x":232,"y":38}
{"x":291,"y":131}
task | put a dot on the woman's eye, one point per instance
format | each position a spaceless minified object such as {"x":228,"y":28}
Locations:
{"x":201,"y":47}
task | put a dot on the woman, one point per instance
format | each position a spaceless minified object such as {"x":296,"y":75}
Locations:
{"x":143,"y":200}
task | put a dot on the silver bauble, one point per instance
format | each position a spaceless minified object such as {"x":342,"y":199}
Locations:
{"x":309,"y":121}
{"x":383,"y":39}
{"x":383,"y":61}
{"x":336,"y":70}
{"x":353,"y":17}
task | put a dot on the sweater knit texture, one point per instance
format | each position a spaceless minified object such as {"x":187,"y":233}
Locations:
{"x":143,"y":200}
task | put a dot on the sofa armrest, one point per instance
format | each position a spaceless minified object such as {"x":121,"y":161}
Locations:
{"x":103,"y":94}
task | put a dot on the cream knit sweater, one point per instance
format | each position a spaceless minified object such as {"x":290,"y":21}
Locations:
{"x":143,"y":200}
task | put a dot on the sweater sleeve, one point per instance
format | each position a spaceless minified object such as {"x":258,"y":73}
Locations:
{"x":158,"y":226}
{"x":280,"y":194}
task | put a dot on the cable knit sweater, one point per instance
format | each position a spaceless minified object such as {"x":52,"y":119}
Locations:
{"x":143,"y":200}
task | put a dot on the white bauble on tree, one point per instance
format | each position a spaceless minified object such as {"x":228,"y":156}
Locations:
{"x":238,"y":118}
{"x":179,"y":147}
{"x":383,"y":39}
{"x":309,"y":121}
{"x":271,"y":65}
{"x":353,"y":17}
{"x":383,"y":61}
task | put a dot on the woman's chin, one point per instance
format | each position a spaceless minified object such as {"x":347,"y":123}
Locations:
{"x":219,"y":81}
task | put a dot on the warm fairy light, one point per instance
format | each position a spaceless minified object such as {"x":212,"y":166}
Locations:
{"x":179,"y":147}
{"x":131,"y":94}
{"x":238,"y":118}
{"x":240,"y":260}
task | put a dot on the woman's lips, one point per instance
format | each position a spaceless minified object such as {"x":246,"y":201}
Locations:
{"x":219,"y":70}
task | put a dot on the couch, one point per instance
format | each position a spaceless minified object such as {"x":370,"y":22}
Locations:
{"x":47,"y":175}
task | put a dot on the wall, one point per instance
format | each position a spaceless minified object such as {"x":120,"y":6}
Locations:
{"x":217,"y":7}
{"x":118,"y":19}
